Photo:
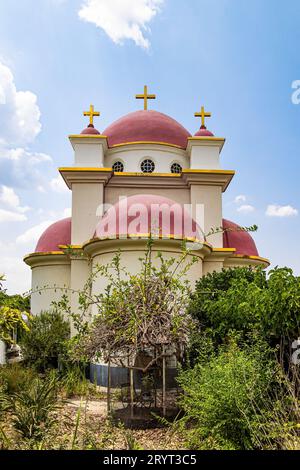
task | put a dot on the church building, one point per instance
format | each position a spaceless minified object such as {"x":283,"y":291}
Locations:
{"x":145,"y":160}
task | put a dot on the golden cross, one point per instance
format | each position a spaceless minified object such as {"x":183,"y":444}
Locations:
{"x":145,"y":97}
{"x":203,"y":115}
{"x":91,"y":113}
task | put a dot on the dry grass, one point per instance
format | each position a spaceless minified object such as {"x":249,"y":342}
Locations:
{"x":87,"y":428}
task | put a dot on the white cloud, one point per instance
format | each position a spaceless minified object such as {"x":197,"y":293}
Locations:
{"x":122,"y":19}
{"x":275,"y":210}
{"x":10,"y":216}
{"x":19,"y":112}
{"x":240,"y":198}
{"x":10,"y":198}
{"x":246,"y":209}
{"x":33,"y":234}
{"x":22,"y":168}
{"x":19,"y":153}
{"x":17,"y":274}
{"x":58,"y":185}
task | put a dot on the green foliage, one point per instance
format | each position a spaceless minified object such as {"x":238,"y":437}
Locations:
{"x":32,"y":409}
{"x":15,"y":378}
{"x":246,"y":301}
{"x":74,"y":382}
{"x":12,"y":310}
{"x":221,"y":397}
{"x":11,"y":320}
{"x":46,"y":340}
{"x":17,"y":301}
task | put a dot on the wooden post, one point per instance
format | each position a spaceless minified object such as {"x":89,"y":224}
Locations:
{"x":108,"y":388}
{"x":131,"y":391}
{"x":164,"y":381}
{"x":154,"y":377}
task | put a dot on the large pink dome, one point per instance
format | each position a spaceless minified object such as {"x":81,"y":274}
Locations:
{"x":238,"y":239}
{"x":147,"y":213}
{"x":56,"y":234}
{"x":146,"y":126}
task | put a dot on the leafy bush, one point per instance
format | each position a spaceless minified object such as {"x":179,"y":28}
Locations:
{"x":15,"y":377}
{"x":74,"y":382}
{"x":46,"y":340}
{"x":221,"y":398}
{"x":245,"y":301}
{"x":32,"y":409}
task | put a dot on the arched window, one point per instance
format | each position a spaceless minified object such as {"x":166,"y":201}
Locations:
{"x":176,"y":168}
{"x":118,"y":167}
{"x":147,"y":166}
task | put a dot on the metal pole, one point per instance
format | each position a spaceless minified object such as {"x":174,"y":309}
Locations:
{"x":164,"y":381}
{"x":108,"y":387}
{"x":131,"y":391}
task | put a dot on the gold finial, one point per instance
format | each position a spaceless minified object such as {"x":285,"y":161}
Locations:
{"x":91,"y":113}
{"x":145,"y":97}
{"x":203,"y":115}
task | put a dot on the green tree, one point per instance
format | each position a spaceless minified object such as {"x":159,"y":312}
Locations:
{"x":46,"y":339}
{"x":248,"y":302}
{"x":13,"y":314}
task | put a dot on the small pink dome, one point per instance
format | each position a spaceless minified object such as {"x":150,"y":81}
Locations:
{"x":146,"y":126}
{"x":146,"y":213}
{"x":90,"y":130}
{"x":238,"y":239}
{"x":203,"y":132}
{"x":57,"y":234}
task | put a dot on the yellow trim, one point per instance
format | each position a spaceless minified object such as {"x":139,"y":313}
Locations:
{"x":87,"y":136}
{"x":147,"y":142}
{"x":258,"y":258}
{"x":74,"y":247}
{"x":74,"y":169}
{"x":217,"y":172}
{"x":225,"y":250}
{"x":147,"y":235}
{"x":214,"y":139}
{"x":43,"y":253}
{"x":132,"y":173}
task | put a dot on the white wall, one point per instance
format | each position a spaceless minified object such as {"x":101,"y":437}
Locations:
{"x":48,"y":275}
{"x":132,"y":156}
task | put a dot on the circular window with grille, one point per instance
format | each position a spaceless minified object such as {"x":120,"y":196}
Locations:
{"x":176,"y":168}
{"x":147,"y":166}
{"x":118,"y":167}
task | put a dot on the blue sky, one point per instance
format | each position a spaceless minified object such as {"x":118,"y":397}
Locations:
{"x":237,"y":58}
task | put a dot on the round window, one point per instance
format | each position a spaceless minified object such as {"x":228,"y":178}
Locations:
{"x":118,"y":167}
{"x":147,"y":166}
{"x":176,"y":168}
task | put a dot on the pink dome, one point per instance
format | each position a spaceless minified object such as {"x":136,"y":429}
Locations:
{"x":240,"y":240}
{"x":90,"y":130}
{"x":57,"y":234}
{"x":145,"y":213}
{"x":203,"y":132}
{"x":147,"y":126}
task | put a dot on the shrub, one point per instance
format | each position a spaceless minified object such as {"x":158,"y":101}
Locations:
{"x":32,"y":409}
{"x":221,"y":396}
{"x":15,"y":377}
{"x":46,"y":340}
{"x":245,"y":301}
{"x":74,"y":382}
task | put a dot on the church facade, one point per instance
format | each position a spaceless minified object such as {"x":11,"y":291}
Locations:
{"x":145,"y":174}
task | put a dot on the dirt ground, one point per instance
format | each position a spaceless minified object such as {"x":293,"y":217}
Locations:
{"x":84,"y":425}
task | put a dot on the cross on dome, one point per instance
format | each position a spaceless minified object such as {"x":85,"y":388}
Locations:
{"x":91,"y":113}
{"x":145,"y":97}
{"x":203,"y":114}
